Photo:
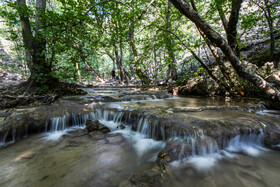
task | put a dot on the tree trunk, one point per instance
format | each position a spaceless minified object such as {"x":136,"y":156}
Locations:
{"x":92,"y":70}
{"x":184,"y":7}
{"x":172,"y":74}
{"x":232,"y":26}
{"x":78,"y":71}
{"x":36,"y":45}
{"x":223,"y":68}
{"x":87,"y":64}
{"x":124,"y":73}
{"x":222,"y":14}
{"x":131,"y":41}
{"x":271,"y":29}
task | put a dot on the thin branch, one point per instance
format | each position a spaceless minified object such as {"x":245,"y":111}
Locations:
{"x":106,"y":2}
{"x":87,"y":12}
{"x":146,"y":9}
{"x":198,"y":59}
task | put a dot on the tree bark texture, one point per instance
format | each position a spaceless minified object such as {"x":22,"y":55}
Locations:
{"x":35,"y":45}
{"x":231,"y":29}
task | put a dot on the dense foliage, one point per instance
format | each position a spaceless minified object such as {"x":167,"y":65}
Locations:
{"x":146,"y":40}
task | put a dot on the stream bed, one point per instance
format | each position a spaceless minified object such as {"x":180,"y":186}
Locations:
{"x":205,"y":141}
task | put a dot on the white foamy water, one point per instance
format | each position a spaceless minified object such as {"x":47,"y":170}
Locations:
{"x":202,"y":162}
{"x":271,"y":113}
{"x":250,"y":145}
{"x":140,"y":144}
{"x":56,"y":135}
{"x":250,"y":150}
{"x":203,"y":158}
{"x":110,"y":124}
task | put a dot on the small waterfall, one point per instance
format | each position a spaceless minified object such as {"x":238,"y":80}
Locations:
{"x":197,"y":150}
{"x":106,"y":115}
{"x":153,"y":97}
{"x":14,"y":134}
{"x":249,"y":144}
{"x":110,"y":118}
{"x":67,"y":121}
{"x":58,"y":126}
{"x":150,"y":128}
{"x":3,"y":139}
{"x":205,"y":151}
{"x":199,"y":143}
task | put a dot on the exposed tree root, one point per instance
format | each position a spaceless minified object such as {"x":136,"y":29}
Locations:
{"x":28,"y":93}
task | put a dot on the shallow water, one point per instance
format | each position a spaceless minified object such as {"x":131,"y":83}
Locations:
{"x":71,"y":157}
{"x":242,"y":170}
{"x":74,"y":159}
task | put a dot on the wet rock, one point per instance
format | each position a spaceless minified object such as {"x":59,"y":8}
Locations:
{"x":22,"y":121}
{"x":174,"y":150}
{"x":103,"y":98}
{"x":121,"y":126}
{"x":135,"y":97}
{"x":153,"y":177}
{"x":95,"y":125}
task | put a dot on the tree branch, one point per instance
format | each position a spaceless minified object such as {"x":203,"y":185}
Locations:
{"x":146,"y":9}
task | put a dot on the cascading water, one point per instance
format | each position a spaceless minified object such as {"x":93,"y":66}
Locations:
{"x":143,"y":139}
{"x":143,"y":130}
{"x":150,"y":128}
{"x":249,"y":144}
{"x":59,"y":126}
{"x":205,"y":152}
{"x":135,"y":134}
{"x":3,"y":139}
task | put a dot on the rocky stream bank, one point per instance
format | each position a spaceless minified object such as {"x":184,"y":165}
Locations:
{"x":159,"y":130}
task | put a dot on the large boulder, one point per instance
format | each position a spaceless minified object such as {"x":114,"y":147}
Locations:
{"x":95,"y":125}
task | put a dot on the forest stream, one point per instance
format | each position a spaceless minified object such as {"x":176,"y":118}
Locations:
{"x":204,"y":141}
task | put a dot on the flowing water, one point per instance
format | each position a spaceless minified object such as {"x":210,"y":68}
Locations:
{"x":69,"y":157}
{"x":242,"y":170}
{"x":66,"y":155}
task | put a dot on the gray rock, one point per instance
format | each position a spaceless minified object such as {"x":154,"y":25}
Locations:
{"x":95,"y":125}
{"x":121,"y":126}
{"x":274,"y":79}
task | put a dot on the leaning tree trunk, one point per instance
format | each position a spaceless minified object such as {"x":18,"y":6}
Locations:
{"x":83,"y":58}
{"x":184,"y":7}
{"x":219,"y":60}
